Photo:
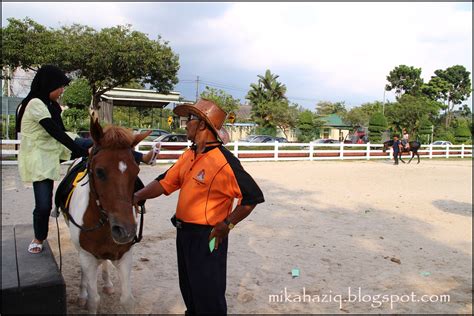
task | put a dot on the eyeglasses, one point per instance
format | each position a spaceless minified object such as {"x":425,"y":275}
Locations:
{"x":192,"y":117}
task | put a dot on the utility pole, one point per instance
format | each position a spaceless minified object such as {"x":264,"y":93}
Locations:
{"x":383,"y":103}
{"x":197,"y":88}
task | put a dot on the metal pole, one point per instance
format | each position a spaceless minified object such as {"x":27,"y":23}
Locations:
{"x":8,"y":101}
{"x":8,"y":120}
{"x":197,"y":88}
{"x":383,"y":103}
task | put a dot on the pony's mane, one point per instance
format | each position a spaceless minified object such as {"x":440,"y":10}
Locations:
{"x":117,"y":137}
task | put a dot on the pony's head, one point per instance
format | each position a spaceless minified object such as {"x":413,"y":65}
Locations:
{"x":112,"y":175}
{"x":386,"y":145}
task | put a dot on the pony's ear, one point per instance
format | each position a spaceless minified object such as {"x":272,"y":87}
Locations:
{"x":139,"y":137}
{"x":96,"y":129}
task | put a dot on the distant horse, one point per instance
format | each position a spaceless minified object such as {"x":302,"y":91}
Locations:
{"x":102,"y":211}
{"x":414,"y":146}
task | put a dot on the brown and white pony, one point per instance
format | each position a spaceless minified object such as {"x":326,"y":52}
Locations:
{"x":101,"y":205}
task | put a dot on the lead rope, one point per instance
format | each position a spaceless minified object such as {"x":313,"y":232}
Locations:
{"x":59,"y":246}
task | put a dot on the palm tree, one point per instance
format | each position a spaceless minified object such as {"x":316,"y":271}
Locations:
{"x":274,"y":90}
{"x":267,"y":89}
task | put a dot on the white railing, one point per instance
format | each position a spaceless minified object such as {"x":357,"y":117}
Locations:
{"x":284,"y":151}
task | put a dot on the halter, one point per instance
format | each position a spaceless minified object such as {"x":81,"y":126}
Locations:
{"x":103,"y":218}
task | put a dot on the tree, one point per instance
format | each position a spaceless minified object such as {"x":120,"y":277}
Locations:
{"x":436,"y":89}
{"x":25,"y":44}
{"x":404,"y":79}
{"x":221,"y":98}
{"x":327,"y":108}
{"x":284,"y":116}
{"x":76,"y":119}
{"x":360,"y":115}
{"x":267,"y":98}
{"x":377,"y":125}
{"x":107,"y":58}
{"x":457,"y":89}
{"x":462,"y":133}
{"x":308,"y":126}
{"x":409,"y":111}
{"x":426,"y":129}
{"x":266,"y":89}
{"x":77,"y":94}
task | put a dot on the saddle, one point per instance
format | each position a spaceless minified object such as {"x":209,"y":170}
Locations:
{"x":68,"y":184}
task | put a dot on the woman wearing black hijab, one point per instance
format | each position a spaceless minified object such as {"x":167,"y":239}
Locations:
{"x":43,"y":137}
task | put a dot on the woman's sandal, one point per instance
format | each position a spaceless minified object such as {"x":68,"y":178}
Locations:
{"x":33,"y":246}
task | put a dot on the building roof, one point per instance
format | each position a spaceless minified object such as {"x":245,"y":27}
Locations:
{"x":244,"y":111}
{"x":140,"y":97}
{"x":334,"y":120}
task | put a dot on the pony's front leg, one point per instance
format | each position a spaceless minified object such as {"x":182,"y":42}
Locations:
{"x":412,"y":155}
{"x":82,"y":299}
{"x":108,"y":287}
{"x":400,"y":157}
{"x":124,"y":267}
{"x":89,"y":267}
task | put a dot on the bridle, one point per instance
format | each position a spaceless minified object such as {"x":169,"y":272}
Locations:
{"x":103,"y":218}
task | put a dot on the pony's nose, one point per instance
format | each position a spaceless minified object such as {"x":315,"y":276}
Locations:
{"x":122,"y":235}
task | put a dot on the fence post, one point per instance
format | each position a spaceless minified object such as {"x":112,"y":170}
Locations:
{"x":462,"y":150}
{"x":447,"y":150}
{"x":368,"y":151}
{"x":275,"y":157}
{"x":311,"y":151}
{"x":431,"y":151}
{"x":236,"y":149}
{"x":341,"y":151}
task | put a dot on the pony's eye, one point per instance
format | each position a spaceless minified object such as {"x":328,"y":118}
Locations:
{"x":100,"y":172}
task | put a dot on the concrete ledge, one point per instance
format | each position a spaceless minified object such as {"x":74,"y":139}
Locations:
{"x":36,"y":286}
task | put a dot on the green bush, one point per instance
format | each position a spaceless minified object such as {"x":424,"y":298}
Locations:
{"x":462,"y":134}
{"x":77,"y":94}
{"x":377,"y":125}
{"x":265,"y":130}
{"x":76,"y":119}
{"x":445,"y":134}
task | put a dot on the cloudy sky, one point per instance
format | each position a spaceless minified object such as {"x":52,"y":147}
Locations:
{"x":321,"y":51}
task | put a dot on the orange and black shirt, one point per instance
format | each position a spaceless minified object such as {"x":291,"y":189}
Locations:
{"x":209,"y":183}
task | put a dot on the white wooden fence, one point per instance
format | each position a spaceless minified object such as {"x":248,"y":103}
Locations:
{"x":284,"y":151}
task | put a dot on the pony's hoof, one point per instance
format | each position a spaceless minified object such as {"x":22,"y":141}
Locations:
{"x":108,"y":290}
{"x":82,"y":302}
{"x":128,"y":304}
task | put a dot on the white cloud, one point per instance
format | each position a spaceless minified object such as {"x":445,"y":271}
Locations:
{"x":350,"y":46}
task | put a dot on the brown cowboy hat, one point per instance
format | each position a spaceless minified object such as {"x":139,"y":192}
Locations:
{"x":208,"y":111}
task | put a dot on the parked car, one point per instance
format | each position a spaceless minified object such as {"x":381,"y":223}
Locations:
{"x":281,"y":139}
{"x":248,"y":138}
{"x":441,"y":143}
{"x":172,"y":138}
{"x":154,"y":134}
{"x":326,"y":141}
{"x":268,"y":139}
{"x":263,"y":139}
{"x":356,"y":139}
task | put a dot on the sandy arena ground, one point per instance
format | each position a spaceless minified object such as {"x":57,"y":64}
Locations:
{"x":398,"y":234}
